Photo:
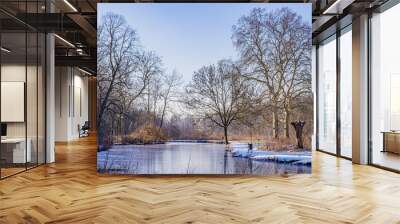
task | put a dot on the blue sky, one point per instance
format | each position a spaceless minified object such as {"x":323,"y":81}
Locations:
{"x":188,"y":36}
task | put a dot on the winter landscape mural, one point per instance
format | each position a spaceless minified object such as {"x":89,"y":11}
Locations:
{"x":204,"y":88}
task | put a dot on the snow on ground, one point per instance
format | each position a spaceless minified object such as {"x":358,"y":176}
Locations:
{"x":240,"y":149}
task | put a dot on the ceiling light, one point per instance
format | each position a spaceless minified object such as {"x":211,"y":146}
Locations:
{"x":65,"y":41}
{"x":70,"y":5}
{"x":337,"y":7}
{"x":333,"y":6}
{"x":5,"y":50}
{"x":84,"y":71}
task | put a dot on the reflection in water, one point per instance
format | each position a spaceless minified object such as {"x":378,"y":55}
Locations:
{"x":186,"y":158}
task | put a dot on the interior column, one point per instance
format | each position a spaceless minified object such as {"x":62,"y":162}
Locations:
{"x":50,"y":92}
{"x":360,"y":90}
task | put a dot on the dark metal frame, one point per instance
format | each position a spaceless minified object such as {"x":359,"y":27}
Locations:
{"x":338,"y":98}
{"x":316,"y":97}
{"x":0,"y":90}
{"x":369,"y":98}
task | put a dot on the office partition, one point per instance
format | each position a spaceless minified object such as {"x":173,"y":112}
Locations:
{"x":22,"y":77}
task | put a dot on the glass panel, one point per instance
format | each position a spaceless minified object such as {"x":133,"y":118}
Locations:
{"x":23,"y":89}
{"x":346,"y":94}
{"x":31,"y":99}
{"x":385,"y":87}
{"x":314,"y":85}
{"x":327,"y":96}
{"x":41,"y":99}
{"x":13,"y":86}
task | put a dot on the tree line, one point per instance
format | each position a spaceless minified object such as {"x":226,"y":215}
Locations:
{"x":270,"y":84}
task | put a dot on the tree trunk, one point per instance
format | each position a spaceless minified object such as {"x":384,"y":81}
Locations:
{"x":226,"y":135}
{"x":251,"y":135}
{"x":276,"y":123}
{"x":148,"y":98}
{"x":162,"y":115}
{"x":298,"y":127}
{"x":287,"y":123}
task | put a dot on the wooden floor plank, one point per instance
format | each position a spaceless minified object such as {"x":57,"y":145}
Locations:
{"x":70,"y":191}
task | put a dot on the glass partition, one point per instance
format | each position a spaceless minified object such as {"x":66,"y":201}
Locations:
{"x":346,"y":93}
{"x":327,"y":95}
{"x":41,"y":96}
{"x":22,"y":88}
{"x":31,"y":99}
{"x":13,"y":105}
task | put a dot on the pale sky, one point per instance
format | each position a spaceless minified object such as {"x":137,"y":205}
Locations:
{"x":190,"y":35}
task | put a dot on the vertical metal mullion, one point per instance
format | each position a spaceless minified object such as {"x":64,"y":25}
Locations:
{"x":37,"y":90}
{"x":45,"y":94}
{"x":338,"y":81}
{"x":0,"y":94}
{"x":26,"y":86}
{"x":369,"y":79}
{"x":317,"y":96}
{"x":45,"y":87}
{"x":73,"y":91}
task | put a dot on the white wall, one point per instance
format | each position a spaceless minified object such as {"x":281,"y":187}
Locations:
{"x":62,"y":81}
{"x":71,"y":94}
{"x":33,"y":126}
{"x":17,"y":73}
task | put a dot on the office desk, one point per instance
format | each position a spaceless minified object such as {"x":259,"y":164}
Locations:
{"x":13,"y":150}
{"x":391,"y":141}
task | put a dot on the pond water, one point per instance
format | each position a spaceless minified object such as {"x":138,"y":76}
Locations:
{"x":186,"y":158}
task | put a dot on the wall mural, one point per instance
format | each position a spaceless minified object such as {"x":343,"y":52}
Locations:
{"x":204,"y":88}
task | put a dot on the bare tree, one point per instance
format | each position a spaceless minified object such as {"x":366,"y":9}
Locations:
{"x":257,"y":46}
{"x":150,"y":66}
{"x":274,"y":45}
{"x":124,"y":71}
{"x":117,"y":48}
{"x":297,"y":48}
{"x":169,"y":92}
{"x":219,"y":93}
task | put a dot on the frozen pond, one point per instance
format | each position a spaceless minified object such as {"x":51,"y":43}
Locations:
{"x":187,"y":158}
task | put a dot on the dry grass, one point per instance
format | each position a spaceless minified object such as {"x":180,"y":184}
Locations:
{"x":144,"y":135}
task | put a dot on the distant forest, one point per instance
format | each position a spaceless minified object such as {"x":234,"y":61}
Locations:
{"x":255,"y":98}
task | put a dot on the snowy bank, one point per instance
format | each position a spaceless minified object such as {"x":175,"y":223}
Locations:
{"x":298,"y":158}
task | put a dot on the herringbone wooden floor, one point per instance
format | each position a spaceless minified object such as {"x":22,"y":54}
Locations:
{"x":70,"y":191}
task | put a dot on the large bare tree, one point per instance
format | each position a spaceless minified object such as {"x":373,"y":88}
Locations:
{"x":124,"y":70}
{"x":295,"y":64}
{"x":274,"y":45}
{"x":219,"y":93}
{"x":252,"y":38}
{"x":117,"y":47}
